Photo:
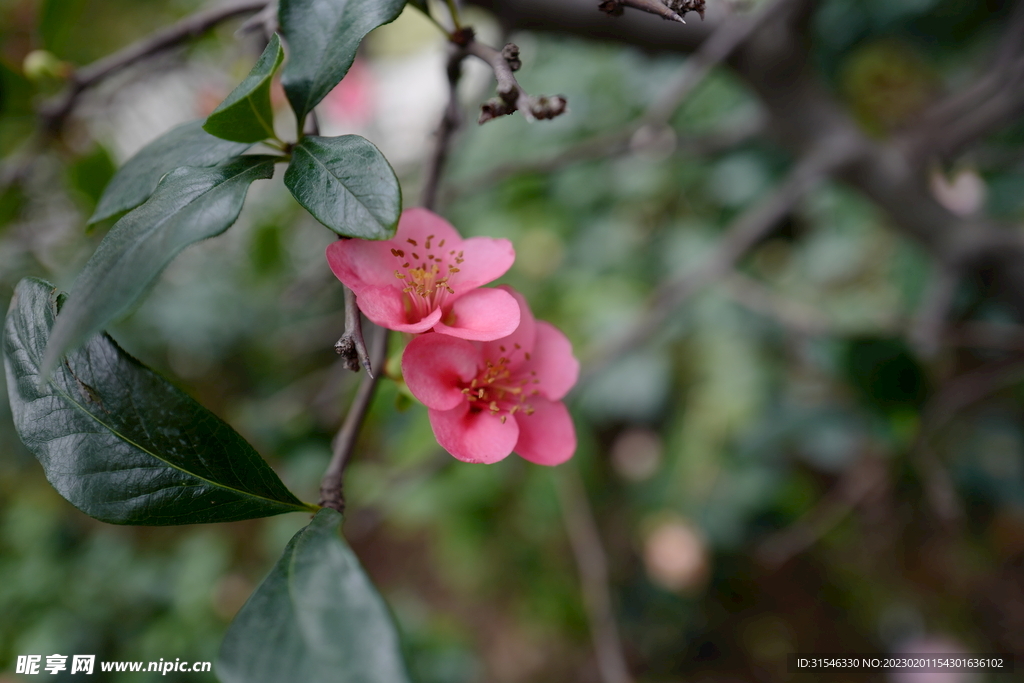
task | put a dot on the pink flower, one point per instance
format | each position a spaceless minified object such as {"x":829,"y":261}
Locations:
{"x":428,"y":278}
{"x":488,"y":399}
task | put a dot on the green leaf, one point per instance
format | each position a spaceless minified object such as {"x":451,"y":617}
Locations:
{"x":347,"y":184}
{"x":189,"y":205}
{"x":90,"y":174}
{"x":316,"y":617}
{"x":323,"y":36}
{"x":186,"y":145}
{"x":57,"y":22}
{"x":119,"y":442}
{"x":246,"y":114}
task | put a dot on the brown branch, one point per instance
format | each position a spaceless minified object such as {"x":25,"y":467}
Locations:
{"x":450,"y":122}
{"x":793,"y":316}
{"x":511,"y":96}
{"x":330,"y":487}
{"x":57,"y":109}
{"x":331,"y":494}
{"x":592,"y":563}
{"x":655,"y":7}
{"x":803,"y":115}
{"x":726,"y":38}
{"x":927,"y":331}
{"x":609,"y":145}
{"x":957,"y":395}
{"x":741,"y":236}
{"x":351,"y":346}
{"x":857,"y":484}
{"x":992,"y":100}
{"x":730,"y":34}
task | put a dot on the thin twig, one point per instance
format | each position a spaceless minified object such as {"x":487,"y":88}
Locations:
{"x":858,"y":482}
{"x":610,"y":145}
{"x":450,"y":122}
{"x":592,"y":563}
{"x":351,"y":346}
{"x":725,"y":39}
{"x":330,"y":487}
{"x":954,"y":397}
{"x":511,"y":96}
{"x":331,"y":494}
{"x":741,"y":236}
{"x":794,"y":316}
{"x":928,"y":329}
{"x":56,"y":110}
{"x":655,"y":7}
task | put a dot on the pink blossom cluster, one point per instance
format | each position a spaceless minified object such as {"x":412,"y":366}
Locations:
{"x":491,"y":376}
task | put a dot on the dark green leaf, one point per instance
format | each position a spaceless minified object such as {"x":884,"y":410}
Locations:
{"x":323,"y":36}
{"x":246,"y":114}
{"x":189,"y":205}
{"x":121,"y":443}
{"x":90,"y":174}
{"x":316,"y":617}
{"x":186,"y":145}
{"x":347,"y":184}
{"x":884,"y":373}
{"x":57,"y":21}
{"x":15,"y":92}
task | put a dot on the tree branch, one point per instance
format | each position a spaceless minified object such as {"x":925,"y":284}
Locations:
{"x":803,"y":115}
{"x":511,"y":96}
{"x":450,"y":122}
{"x":331,"y":494}
{"x":351,"y":346}
{"x":726,"y":38}
{"x":330,"y":487}
{"x":745,"y":233}
{"x":57,"y":109}
{"x":610,"y":145}
{"x":928,"y":328}
{"x":655,"y":7}
{"x":858,"y":482}
{"x":592,"y":563}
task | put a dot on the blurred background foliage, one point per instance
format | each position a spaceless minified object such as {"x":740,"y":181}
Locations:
{"x":758,"y":470}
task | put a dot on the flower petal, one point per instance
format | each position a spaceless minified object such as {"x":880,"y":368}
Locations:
{"x":419,"y":225}
{"x":474,"y":435}
{"x":436,"y":367}
{"x":481,"y":315}
{"x":523,"y":335}
{"x":547,"y":437}
{"x":551,"y":359}
{"x":385,"y":307}
{"x":364,"y":263}
{"x":484,"y":260}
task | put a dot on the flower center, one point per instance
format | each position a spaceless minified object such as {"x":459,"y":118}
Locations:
{"x":500,"y":390}
{"x":426,"y":276}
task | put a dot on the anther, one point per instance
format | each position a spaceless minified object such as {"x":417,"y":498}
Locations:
{"x":412,"y":242}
